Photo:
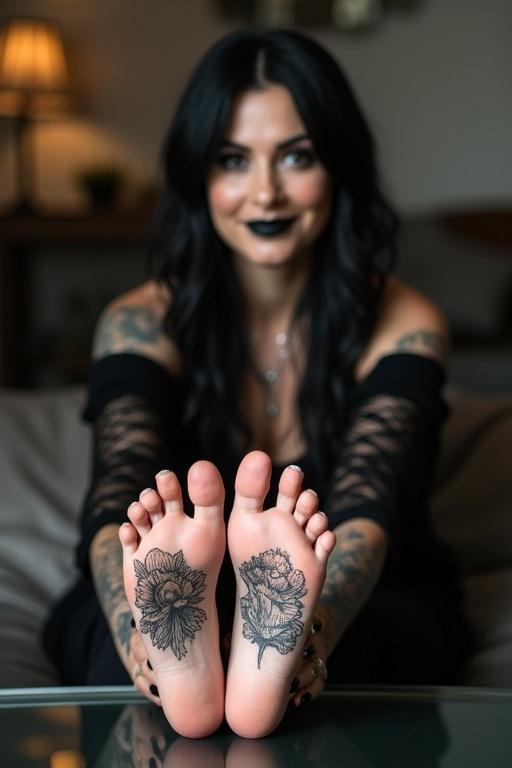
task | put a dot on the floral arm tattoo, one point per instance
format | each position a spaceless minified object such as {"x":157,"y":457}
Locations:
{"x":126,"y":329}
{"x":167,"y":594}
{"x":423,"y":341}
{"x":107,"y":567}
{"x":272,"y":607}
{"x":352,"y":572}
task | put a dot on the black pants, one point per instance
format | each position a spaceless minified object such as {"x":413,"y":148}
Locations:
{"x":399,"y":637}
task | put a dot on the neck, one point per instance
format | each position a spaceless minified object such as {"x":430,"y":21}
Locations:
{"x":272,"y":292}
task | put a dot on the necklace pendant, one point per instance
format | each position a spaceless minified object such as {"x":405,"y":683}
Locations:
{"x":272,"y":410}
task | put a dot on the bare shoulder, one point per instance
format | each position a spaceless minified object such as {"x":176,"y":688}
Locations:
{"x":408,"y":322}
{"x":133,"y":322}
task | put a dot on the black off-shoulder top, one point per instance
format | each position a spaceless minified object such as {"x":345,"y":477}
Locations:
{"x":383,"y":471}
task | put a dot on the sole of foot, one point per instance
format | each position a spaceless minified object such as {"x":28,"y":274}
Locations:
{"x":279,"y":557}
{"x":171,"y":563}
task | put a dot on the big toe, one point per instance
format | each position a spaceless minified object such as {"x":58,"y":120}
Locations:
{"x":206,"y":490}
{"x":252,"y":482}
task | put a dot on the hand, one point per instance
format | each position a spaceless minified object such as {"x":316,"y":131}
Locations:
{"x":311,"y":674}
{"x":137,"y":666}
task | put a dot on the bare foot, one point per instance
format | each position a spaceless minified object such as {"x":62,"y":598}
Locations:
{"x":279,"y":557}
{"x":171,"y":563}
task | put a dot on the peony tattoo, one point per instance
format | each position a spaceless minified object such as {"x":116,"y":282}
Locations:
{"x":167,"y":593}
{"x":272,"y":608}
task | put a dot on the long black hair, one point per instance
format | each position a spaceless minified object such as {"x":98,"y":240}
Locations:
{"x":353,"y":257}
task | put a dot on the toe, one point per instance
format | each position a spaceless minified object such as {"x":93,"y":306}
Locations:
{"x":316,"y":525}
{"x":139,"y":517}
{"x":129,"y":538}
{"x":252,"y":482}
{"x":151,"y":500}
{"x":206,"y":490}
{"x":170,"y":491}
{"x":324,"y":546}
{"x":307,"y":505}
{"x":289,"y":488}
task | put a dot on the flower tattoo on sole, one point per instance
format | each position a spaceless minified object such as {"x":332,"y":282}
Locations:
{"x":272,"y":608}
{"x":167,"y":593}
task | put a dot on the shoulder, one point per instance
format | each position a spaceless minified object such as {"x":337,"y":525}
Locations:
{"x":407,"y":322}
{"x":133,"y":322}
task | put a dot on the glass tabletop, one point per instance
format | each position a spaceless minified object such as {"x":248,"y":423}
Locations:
{"x":344,"y":727}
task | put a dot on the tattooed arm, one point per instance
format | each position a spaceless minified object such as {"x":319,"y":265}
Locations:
{"x":106,"y":559}
{"x":352,"y":572}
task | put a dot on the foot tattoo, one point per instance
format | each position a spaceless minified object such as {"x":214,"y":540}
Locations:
{"x":167,"y":592}
{"x":272,"y":608}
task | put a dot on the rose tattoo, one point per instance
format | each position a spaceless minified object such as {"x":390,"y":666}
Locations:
{"x":167,"y":593}
{"x":272,"y":609}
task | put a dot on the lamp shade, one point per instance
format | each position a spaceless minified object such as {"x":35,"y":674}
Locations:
{"x":33,"y":68}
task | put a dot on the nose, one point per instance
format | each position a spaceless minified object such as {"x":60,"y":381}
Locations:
{"x":267,"y":188}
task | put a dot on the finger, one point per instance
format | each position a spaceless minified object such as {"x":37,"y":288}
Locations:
{"x":308,"y":692}
{"x":149,"y":690}
{"x":304,"y":676}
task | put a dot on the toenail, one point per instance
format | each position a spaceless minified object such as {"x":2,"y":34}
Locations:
{"x":131,"y":505}
{"x":163,"y":472}
{"x":149,"y":665}
{"x":321,"y":513}
{"x":310,"y":651}
{"x":295,"y":685}
{"x":145,"y":491}
{"x":315,"y":494}
{"x":305,"y":698}
{"x":317,"y":626}
{"x":132,"y":623}
{"x":154,"y":690}
{"x":294,"y":466}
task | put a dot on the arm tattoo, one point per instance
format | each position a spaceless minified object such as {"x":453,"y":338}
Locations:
{"x":167,"y":593}
{"x":272,"y":608}
{"x":422,"y":340}
{"x":126,"y":329}
{"x":352,"y":571}
{"x":108,"y":577}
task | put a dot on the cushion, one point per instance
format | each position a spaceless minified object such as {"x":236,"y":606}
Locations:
{"x":471,"y":511}
{"x":472,"y":500}
{"x":43,"y":475}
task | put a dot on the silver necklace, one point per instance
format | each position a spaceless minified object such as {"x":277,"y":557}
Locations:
{"x":269,"y":377}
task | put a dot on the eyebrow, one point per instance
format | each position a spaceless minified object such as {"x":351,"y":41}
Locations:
{"x":282,"y":144}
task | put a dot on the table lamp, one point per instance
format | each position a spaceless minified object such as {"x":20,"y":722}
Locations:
{"x":34,"y":83}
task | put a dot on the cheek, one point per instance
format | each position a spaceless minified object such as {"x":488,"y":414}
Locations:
{"x":224,"y":197}
{"x":313,"y":191}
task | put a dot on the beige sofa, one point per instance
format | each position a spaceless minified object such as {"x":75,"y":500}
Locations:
{"x":43,"y":473}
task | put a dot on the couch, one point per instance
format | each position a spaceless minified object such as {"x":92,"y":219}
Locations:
{"x":43,"y":475}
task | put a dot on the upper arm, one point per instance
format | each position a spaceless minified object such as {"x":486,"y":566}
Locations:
{"x":133,"y":323}
{"x":407,"y":322}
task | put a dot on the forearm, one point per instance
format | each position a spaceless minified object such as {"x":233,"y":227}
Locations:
{"x":353,"y":570}
{"x":106,"y":559}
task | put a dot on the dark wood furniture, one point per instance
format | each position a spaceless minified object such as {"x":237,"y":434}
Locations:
{"x":21,"y":236}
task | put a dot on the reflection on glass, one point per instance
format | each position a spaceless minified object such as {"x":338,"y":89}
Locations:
{"x":353,"y":734}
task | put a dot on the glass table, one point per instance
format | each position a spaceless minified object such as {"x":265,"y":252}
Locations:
{"x":345,"y":727}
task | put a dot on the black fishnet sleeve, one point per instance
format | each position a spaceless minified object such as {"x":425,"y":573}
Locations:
{"x":389,"y":449}
{"x":132,"y":405}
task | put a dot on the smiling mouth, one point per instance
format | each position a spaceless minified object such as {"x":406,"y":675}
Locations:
{"x":272,"y":228}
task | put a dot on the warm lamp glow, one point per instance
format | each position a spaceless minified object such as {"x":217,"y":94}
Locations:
{"x":34,"y":83}
{"x":32,"y":57}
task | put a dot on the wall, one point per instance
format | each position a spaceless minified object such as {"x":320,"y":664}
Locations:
{"x":435,"y":85}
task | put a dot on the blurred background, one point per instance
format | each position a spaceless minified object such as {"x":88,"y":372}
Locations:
{"x":82,"y":123}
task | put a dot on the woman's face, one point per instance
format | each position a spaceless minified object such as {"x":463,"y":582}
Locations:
{"x":268,"y":194}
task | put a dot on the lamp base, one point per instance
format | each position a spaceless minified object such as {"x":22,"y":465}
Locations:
{"x":20,"y":208}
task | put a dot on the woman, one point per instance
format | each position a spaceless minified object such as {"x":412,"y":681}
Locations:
{"x":273,"y":336}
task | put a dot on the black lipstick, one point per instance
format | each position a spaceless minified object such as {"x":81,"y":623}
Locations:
{"x":270,"y":228}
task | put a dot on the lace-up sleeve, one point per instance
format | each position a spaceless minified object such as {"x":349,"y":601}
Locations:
{"x":389,"y":448}
{"x":131,"y":404}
